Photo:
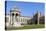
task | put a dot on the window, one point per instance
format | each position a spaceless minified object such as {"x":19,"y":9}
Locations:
{"x":7,"y":19}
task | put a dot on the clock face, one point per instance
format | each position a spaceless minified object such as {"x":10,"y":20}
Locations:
{"x":16,"y":14}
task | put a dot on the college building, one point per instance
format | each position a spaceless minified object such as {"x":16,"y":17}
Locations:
{"x":16,"y":19}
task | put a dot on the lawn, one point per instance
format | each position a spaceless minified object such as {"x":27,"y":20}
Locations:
{"x":34,"y":26}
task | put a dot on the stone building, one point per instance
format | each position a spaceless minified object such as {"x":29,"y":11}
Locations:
{"x":37,"y":19}
{"x":16,"y":19}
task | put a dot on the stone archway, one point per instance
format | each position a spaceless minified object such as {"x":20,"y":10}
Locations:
{"x":17,"y":14}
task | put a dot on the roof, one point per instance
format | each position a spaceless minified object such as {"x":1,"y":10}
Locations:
{"x":15,"y":9}
{"x":26,"y":16}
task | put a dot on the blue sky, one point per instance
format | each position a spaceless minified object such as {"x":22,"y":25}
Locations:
{"x":27,"y":8}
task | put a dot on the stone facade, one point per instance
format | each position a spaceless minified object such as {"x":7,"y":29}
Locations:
{"x":15,"y":18}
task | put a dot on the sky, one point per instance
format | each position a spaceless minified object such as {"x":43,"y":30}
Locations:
{"x":27,"y":8}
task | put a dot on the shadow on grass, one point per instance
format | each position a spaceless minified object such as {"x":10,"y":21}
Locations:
{"x":27,"y":27}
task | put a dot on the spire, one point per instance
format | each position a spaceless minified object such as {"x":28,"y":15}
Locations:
{"x":37,"y":11}
{"x":40,"y":13}
{"x":33,"y":13}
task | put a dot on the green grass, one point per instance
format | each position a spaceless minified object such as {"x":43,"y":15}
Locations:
{"x":34,"y":26}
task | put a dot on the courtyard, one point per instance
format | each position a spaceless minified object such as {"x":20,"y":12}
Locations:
{"x":33,"y":26}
